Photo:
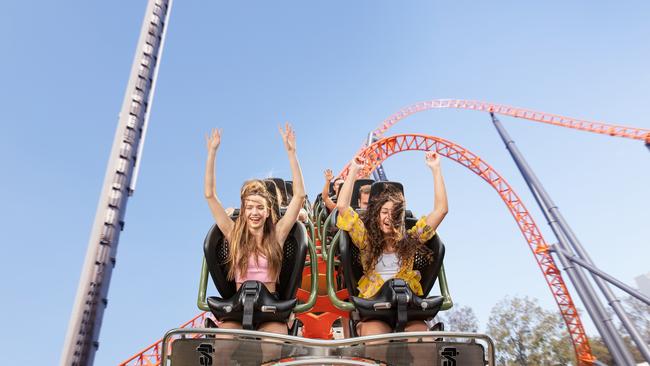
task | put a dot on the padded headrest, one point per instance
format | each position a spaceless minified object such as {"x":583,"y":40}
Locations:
{"x":378,"y":187}
{"x":289,"y":185}
{"x":272,"y":187}
{"x":279,"y":182}
{"x":354,"y":202}
{"x":331,"y":191}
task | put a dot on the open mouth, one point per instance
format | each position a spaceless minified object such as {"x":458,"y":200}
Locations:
{"x":255,"y":220}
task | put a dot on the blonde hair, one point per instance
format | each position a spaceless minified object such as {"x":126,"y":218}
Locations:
{"x":365,"y":189}
{"x":242,"y":243}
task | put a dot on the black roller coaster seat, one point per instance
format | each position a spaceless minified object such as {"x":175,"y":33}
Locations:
{"x":395,"y":303}
{"x":354,"y":201}
{"x":289,"y":185}
{"x":282,"y":187}
{"x":253,"y":304}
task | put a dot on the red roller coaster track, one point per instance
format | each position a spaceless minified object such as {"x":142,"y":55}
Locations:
{"x":523,"y":113}
{"x":543,"y":117}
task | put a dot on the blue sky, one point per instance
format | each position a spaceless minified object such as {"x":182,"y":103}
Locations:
{"x":335,"y":70}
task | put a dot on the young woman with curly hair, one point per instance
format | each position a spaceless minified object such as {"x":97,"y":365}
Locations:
{"x":387,"y":248}
{"x":257,"y":236}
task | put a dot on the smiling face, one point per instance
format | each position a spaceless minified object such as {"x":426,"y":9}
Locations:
{"x":256,"y":211}
{"x":386,"y":217}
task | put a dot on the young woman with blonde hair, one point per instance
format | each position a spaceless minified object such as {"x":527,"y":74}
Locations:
{"x":257,"y":235}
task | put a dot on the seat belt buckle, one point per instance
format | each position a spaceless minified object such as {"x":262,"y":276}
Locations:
{"x":268,"y":309}
{"x":382,"y":305}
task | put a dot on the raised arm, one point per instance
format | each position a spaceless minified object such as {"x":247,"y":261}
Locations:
{"x":326,"y":191}
{"x":213,"y":139}
{"x":287,"y":221}
{"x":440,"y":207}
{"x":345,"y":192}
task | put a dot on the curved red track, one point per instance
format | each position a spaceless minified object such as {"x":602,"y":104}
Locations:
{"x":536,"y":116}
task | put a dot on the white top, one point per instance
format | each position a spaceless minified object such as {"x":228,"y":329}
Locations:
{"x":388,"y":266}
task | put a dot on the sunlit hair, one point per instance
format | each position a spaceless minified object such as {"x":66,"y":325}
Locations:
{"x":365,"y":189}
{"x":405,"y":247}
{"x":277,"y":202}
{"x":243,"y":245}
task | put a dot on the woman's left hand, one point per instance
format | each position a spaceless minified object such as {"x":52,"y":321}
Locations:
{"x":288,"y":137}
{"x":433,"y":160}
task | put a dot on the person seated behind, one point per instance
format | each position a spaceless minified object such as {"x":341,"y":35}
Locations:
{"x":387,"y":249}
{"x":329,"y":203}
{"x":364,"y":195}
{"x":303,"y":215}
{"x":256,"y":237}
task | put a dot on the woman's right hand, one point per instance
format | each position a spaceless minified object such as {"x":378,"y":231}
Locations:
{"x":432,"y":159}
{"x":328,"y":175}
{"x":358,"y":162}
{"x":213,"y":139}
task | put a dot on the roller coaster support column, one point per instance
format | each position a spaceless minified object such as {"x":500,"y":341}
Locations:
{"x":82,"y":337}
{"x":605,"y":276}
{"x":379,"y":174}
{"x":565,"y":237}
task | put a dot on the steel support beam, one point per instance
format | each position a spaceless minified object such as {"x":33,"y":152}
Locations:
{"x":631,"y":291}
{"x":82,"y":337}
{"x":594,"y":307}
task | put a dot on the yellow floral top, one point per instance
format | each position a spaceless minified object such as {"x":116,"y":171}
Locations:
{"x":371,"y":281}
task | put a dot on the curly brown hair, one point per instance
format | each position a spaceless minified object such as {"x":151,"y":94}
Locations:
{"x":405,"y":247}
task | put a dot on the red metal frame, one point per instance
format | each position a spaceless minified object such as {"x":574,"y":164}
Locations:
{"x":379,"y":151}
{"x":150,"y":356}
{"x":634,"y":133}
{"x":317,"y":323}
{"x":543,"y":117}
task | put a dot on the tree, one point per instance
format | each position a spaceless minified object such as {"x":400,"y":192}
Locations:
{"x":639,"y":314}
{"x":600,"y":351}
{"x":460,"y":319}
{"x":526,"y":334}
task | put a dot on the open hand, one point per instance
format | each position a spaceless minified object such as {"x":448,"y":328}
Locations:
{"x":328,"y":175}
{"x":358,"y":162}
{"x":433,"y":159}
{"x":288,"y":137}
{"x":213,"y":139}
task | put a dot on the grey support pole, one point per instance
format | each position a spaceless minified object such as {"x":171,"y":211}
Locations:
{"x":379,"y":174}
{"x":612,"y":300}
{"x":82,"y":337}
{"x":631,"y":291}
{"x":586,"y":292}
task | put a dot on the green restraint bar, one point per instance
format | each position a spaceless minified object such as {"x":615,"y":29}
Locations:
{"x":202,"y":303}
{"x":447,"y":303}
{"x":323,"y":235}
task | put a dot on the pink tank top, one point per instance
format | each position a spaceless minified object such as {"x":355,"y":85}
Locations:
{"x":257,"y":271}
